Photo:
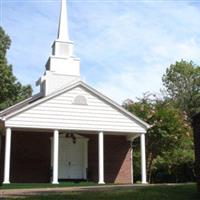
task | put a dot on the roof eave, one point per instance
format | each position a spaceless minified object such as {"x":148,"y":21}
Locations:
{"x":17,"y":106}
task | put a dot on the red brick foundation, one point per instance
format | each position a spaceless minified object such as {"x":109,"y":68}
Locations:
{"x":31,"y":155}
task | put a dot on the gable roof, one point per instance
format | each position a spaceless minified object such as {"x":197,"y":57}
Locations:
{"x":36,"y":100}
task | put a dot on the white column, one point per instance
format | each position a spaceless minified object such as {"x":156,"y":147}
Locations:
{"x":143,"y":158}
{"x":131,"y":162}
{"x":55,"y":156}
{"x":101,"y":158}
{"x":7,"y":157}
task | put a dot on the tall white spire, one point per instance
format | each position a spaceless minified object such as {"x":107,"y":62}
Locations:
{"x":62,"y":67}
{"x":63,"y":32}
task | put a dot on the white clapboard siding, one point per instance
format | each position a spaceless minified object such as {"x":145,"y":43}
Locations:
{"x":60,"y":113}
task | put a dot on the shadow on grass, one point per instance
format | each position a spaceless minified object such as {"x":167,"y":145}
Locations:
{"x":182,"y":192}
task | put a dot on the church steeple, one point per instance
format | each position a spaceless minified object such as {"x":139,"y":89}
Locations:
{"x":62,"y":67}
{"x":63,"y":32}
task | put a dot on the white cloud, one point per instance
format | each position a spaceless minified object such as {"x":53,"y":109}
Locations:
{"x":124,"y":46}
{"x":136,"y":47}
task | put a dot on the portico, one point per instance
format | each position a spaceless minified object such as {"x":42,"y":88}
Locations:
{"x":81,"y":171}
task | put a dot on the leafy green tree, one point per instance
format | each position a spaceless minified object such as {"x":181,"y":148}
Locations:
{"x":12,"y":91}
{"x":182,"y":82}
{"x":165,"y":140}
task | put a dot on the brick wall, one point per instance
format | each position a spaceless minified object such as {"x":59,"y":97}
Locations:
{"x":30,"y":157}
{"x":196,"y":127}
{"x":31,"y":153}
{"x":117,"y":159}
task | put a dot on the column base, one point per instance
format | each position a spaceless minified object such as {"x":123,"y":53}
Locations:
{"x":6,"y":182}
{"x":54,"y":183}
{"x":101,"y":182}
{"x":144,"y":183}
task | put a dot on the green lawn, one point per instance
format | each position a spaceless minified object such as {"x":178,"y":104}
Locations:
{"x":45,"y":185}
{"x":179,"y":192}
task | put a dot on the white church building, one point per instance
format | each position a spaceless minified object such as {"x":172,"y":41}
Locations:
{"x":69,"y":130}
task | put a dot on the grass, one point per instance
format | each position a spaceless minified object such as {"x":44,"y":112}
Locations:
{"x":45,"y":185}
{"x":177,"y":192}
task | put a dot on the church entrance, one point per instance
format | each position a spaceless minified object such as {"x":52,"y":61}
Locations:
{"x":73,"y":159}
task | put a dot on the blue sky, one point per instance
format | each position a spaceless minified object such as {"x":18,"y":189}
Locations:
{"x":124,"y":46}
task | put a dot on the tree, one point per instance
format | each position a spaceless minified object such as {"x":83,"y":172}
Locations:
{"x":12,"y":91}
{"x":182,"y":82}
{"x":165,"y":140}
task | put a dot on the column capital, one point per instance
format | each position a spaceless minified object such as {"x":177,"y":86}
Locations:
{"x":101,"y":132}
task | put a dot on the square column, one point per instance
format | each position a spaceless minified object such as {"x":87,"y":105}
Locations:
{"x":55,"y":156}
{"x":143,"y":158}
{"x":7,"y":157}
{"x":101,"y":158}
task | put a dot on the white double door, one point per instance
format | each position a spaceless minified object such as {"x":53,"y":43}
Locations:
{"x":72,"y":159}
